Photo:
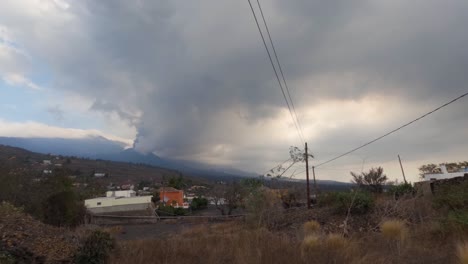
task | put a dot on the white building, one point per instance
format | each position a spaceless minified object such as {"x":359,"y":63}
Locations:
{"x":445,"y":174}
{"x":46,"y":162}
{"x":125,"y":193}
{"x":118,"y":201}
{"x":99,"y":174}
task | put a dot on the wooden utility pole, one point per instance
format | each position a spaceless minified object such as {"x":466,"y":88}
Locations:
{"x":402,"y":171}
{"x":307,"y":175}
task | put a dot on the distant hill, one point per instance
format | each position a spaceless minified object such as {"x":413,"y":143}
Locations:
{"x":102,"y":148}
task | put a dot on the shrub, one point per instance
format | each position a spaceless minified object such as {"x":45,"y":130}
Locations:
{"x":311,"y":242}
{"x":199,"y":203}
{"x":401,"y":189}
{"x":95,"y":248}
{"x":6,"y":258}
{"x":454,"y":199}
{"x":168,"y":210}
{"x":361,"y":202}
{"x":394,"y":230}
{"x":63,"y":209}
{"x":335,"y":242}
{"x":462,"y":253}
{"x":311,"y":227}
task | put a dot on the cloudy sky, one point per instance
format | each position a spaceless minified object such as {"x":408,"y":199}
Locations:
{"x":191,"y":79}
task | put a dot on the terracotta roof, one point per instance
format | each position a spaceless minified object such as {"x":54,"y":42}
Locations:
{"x":168,"y":189}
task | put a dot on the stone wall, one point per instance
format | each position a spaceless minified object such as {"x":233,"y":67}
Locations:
{"x":432,"y":187}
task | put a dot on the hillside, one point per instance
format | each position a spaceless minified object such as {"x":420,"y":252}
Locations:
{"x":117,"y":172}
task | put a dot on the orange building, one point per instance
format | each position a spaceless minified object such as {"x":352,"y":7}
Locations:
{"x":172,"y":196}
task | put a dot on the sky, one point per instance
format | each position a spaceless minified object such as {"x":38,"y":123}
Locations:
{"x":191,"y":79}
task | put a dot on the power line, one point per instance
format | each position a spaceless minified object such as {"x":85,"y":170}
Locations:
{"x":280,"y":68}
{"x":276,"y":73}
{"x":393,"y":131}
{"x":277,"y":166}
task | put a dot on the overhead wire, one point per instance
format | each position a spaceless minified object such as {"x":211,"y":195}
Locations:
{"x":276,"y":73}
{"x":280,"y":68}
{"x":392,"y":131}
{"x":277,"y":166}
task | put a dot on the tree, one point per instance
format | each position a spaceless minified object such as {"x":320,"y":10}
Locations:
{"x":372,"y":180}
{"x":428,"y":168}
{"x":227,"y":197}
{"x":433,"y":168}
{"x":63,"y":209}
{"x":199,"y":203}
{"x":177,"y":183}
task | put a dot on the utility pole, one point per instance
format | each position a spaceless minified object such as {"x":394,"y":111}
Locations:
{"x":307,"y":175}
{"x":402,"y":171}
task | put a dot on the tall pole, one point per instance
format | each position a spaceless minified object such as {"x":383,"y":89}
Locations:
{"x":307,"y":175}
{"x":402,"y":171}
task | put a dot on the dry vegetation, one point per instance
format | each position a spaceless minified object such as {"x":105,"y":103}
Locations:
{"x":387,"y":234}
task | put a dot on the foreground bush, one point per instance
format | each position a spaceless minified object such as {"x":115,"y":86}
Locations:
{"x":401,"y":189}
{"x":311,"y":227}
{"x":95,"y":249}
{"x":167,"y":210}
{"x":395,"y":232}
{"x":453,"y":199}
{"x":462,"y":253}
{"x":359,"y":201}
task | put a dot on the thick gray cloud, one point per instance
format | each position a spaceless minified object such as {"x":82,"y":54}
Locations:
{"x":193,"y":78}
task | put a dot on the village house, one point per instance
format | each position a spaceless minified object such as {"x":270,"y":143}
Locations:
{"x":118,"y":201}
{"x":99,"y":174}
{"x":172,"y":197}
{"x":444,"y":174}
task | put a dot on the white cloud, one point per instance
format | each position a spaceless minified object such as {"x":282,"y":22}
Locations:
{"x":34,"y":129}
{"x":16,"y":79}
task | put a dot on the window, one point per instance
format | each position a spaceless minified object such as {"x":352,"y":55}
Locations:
{"x":99,"y":203}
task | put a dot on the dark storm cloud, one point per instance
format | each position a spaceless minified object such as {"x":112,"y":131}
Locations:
{"x":197,"y":72}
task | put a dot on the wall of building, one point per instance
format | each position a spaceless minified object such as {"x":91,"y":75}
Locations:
{"x":119,"y":208}
{"x":169,"y":197}
{"x":431,"y":187}
{"x":115,"y":204}
{"x":125,"y":193}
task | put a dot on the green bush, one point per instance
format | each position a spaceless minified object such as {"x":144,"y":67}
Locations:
{"x":95,"y":248}
{"x":453,"y":199}
{"x":63,"y":209}
{"x":166,"y":210}
{"x":401,"y":189}
{"x":6,"y":258}
{"x":362,"y":202}
{"x":199,"y":203}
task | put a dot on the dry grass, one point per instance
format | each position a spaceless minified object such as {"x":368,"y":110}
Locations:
{"x":462,"y":252}
{"x":336,"y":242}
{"x":311,"y":227}
{"x":311,"y":242}
{"x":395,"y":230}
{"x":213,"y":245}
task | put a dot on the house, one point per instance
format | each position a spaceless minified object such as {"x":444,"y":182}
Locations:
{"x":172,"y":197}
{"x":99,"y":174}
{"x":444,"y":174}
{"x":47,"y":171}
{"x":118,"y":201}
{"x":125,"y":193}
{"x":47,"y":162}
